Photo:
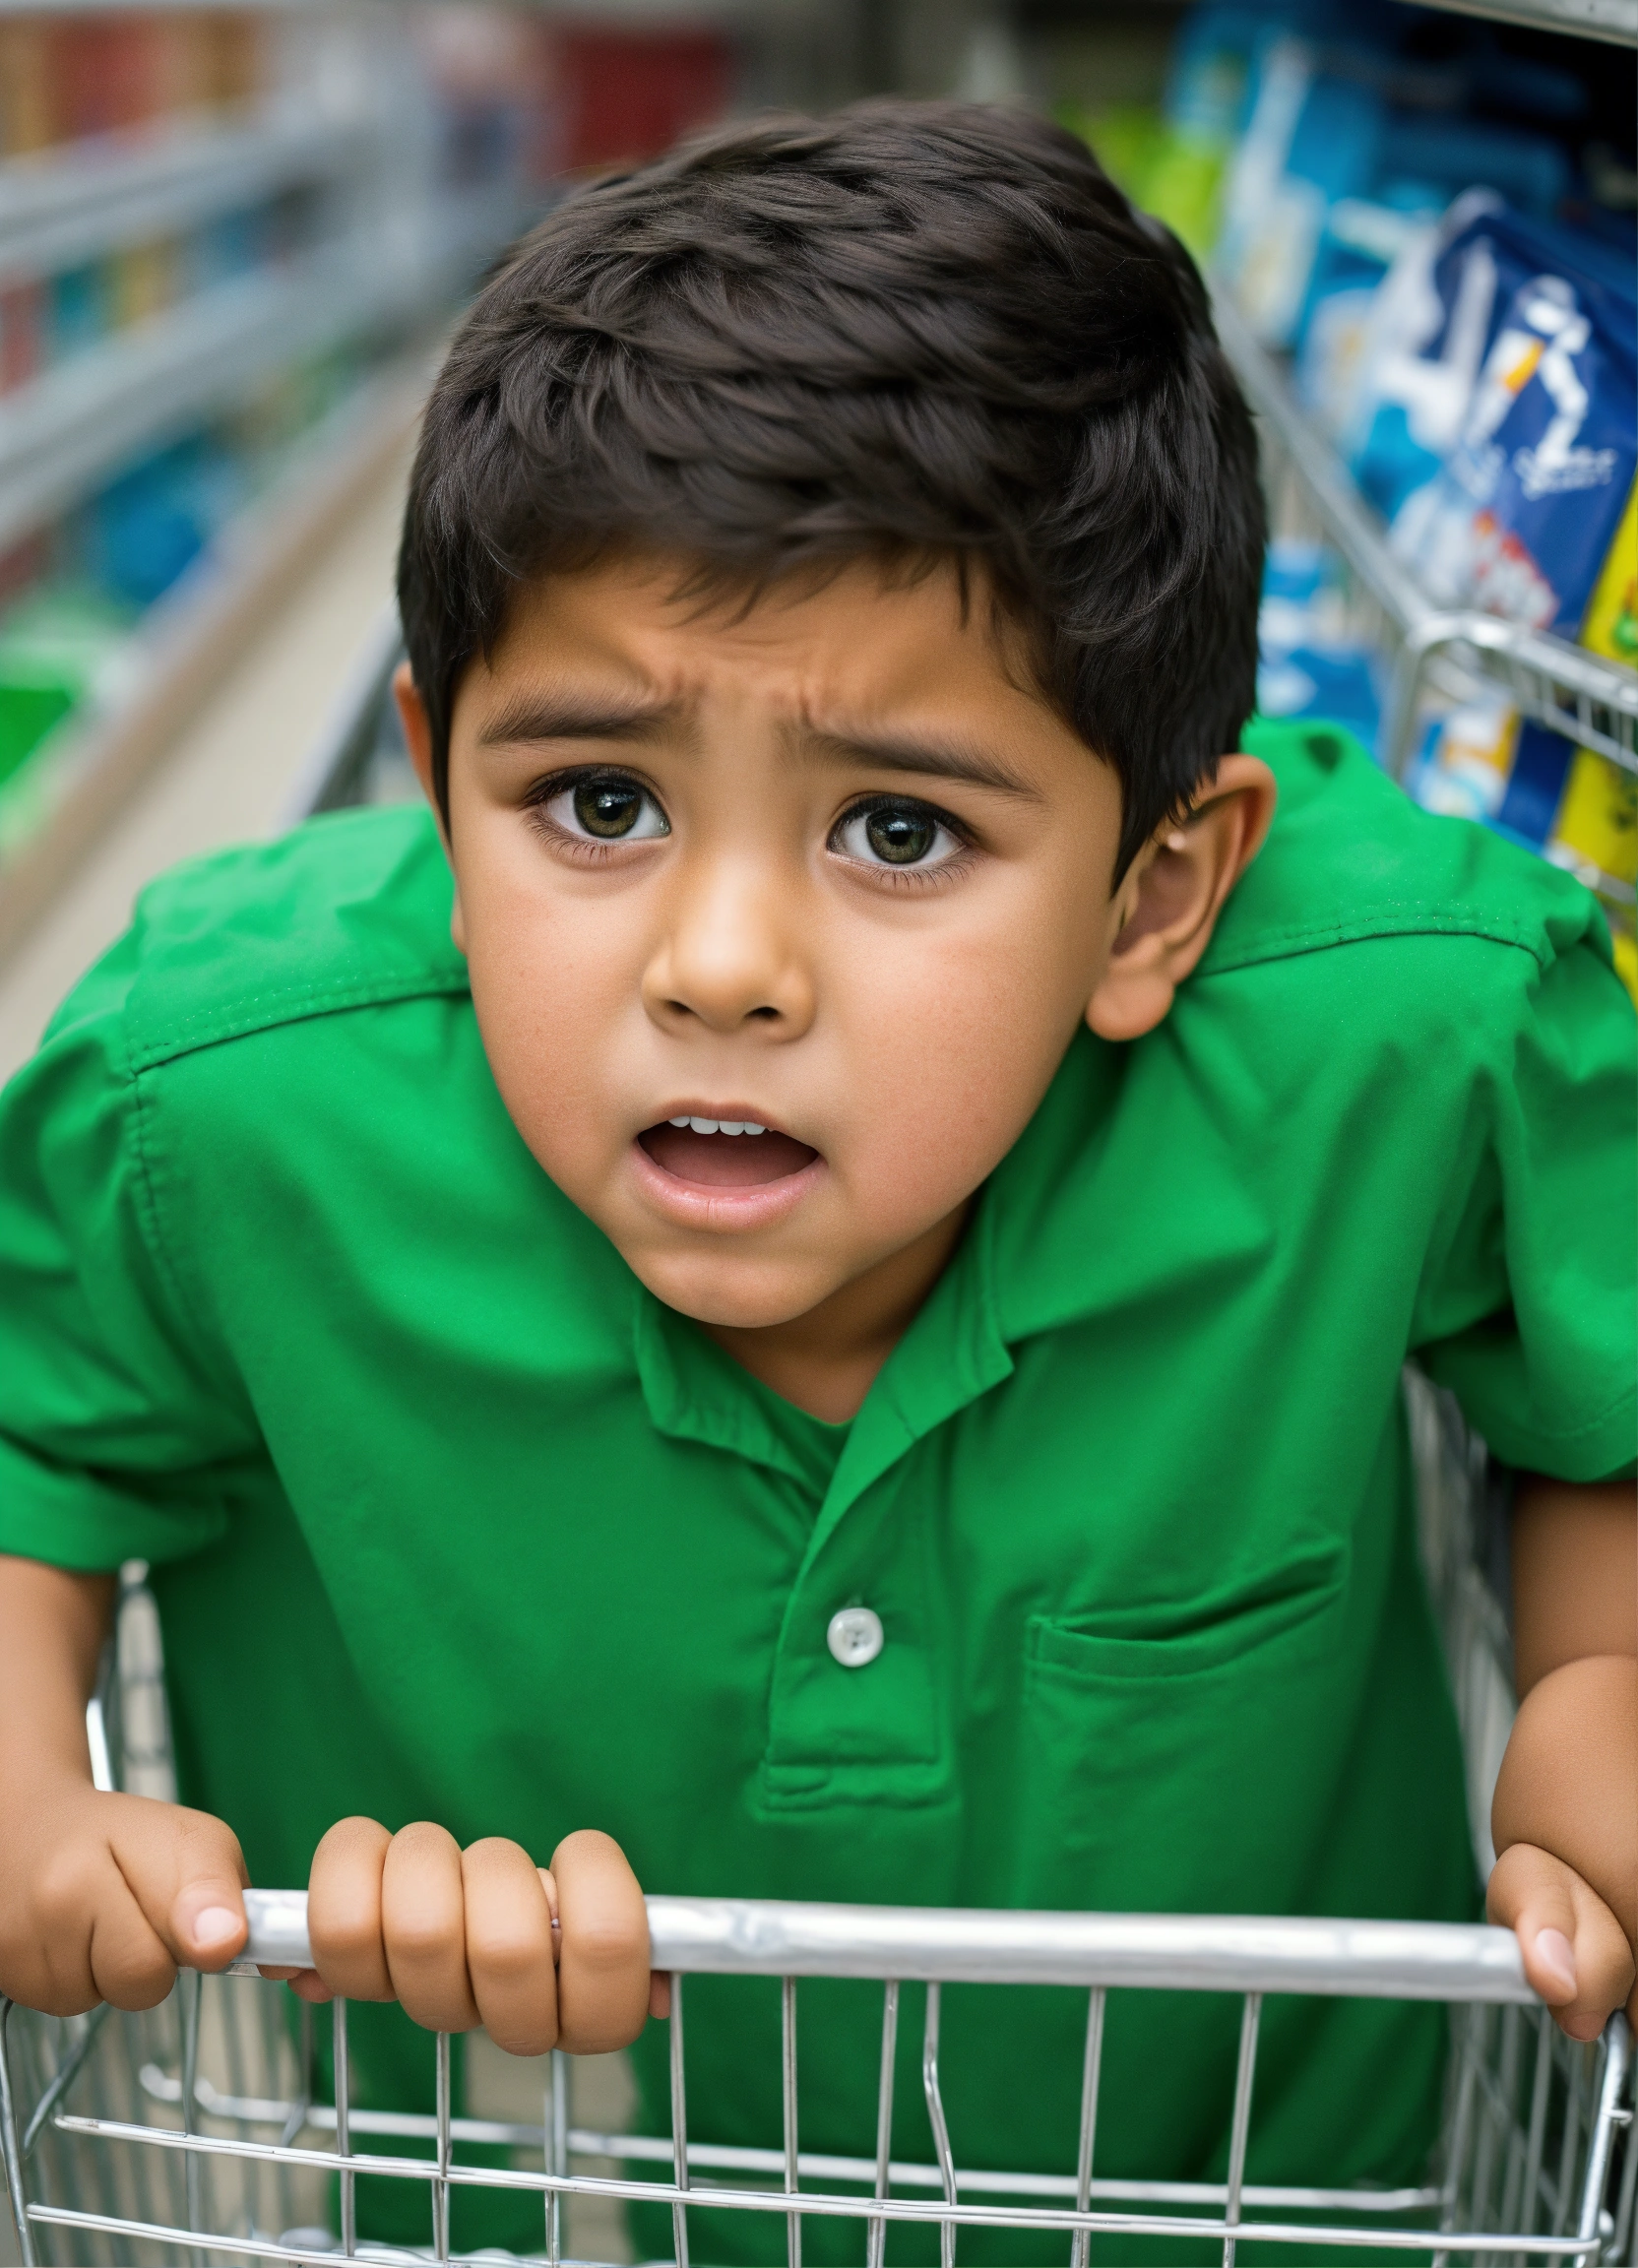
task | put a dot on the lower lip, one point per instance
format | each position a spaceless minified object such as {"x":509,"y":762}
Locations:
{"x":694,"y":1205}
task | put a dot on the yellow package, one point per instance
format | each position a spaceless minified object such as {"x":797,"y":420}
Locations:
{"x":1597,"y":825}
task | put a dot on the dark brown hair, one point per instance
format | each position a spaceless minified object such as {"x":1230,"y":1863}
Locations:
{"x":911,"y":329}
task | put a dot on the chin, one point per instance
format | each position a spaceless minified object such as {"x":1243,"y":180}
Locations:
{"x":735,"y":1295}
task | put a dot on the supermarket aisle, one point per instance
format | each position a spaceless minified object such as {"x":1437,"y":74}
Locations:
{"x":234,"y":767}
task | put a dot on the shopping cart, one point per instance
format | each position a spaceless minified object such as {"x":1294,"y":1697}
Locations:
{"x":201,"y":2131}
{"x":138,"y":2138}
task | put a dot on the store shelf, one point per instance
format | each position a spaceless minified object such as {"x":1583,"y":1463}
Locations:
{"x":1587,"y":699}
{"x":1611,"y":19}
{"x":52,"y":811}
{"x":75,"y":424}
{"x":66,"y":205}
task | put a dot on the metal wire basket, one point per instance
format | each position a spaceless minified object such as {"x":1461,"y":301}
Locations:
{"x":193,"y":2132}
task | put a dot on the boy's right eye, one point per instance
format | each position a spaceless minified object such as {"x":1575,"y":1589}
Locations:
{"x":605,"y":807}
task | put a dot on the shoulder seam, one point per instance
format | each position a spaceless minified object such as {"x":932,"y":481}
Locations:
{"x":289,"y":1004}
{"x":1409,"y":919}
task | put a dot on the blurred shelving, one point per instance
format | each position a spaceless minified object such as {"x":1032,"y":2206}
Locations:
{"x":51,"y":813}
{"x":61,"y":207}
{"x":67,"y":427}
{"x":219,"y":231}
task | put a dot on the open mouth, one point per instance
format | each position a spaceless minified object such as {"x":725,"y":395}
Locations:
{"x":725,"y":1153}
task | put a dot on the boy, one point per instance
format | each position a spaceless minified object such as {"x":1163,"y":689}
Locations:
{"x":839,"y":1317}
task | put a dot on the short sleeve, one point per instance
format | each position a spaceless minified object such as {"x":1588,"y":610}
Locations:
{"x":113,"y":1424}
{"x":1529,"y":1309}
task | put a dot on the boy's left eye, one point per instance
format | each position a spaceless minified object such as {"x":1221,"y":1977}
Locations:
{"x":893,"y":831}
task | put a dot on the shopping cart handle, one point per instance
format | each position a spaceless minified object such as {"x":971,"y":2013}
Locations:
{"x":1200,"y":1953}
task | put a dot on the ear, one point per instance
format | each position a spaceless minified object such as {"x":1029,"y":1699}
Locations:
{"x":1167,"y":904}
{"x":417,"y":738}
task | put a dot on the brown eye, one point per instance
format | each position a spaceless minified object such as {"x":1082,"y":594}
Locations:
{"x":901,"y":836}
{"x":896,"y":834}
{"x":608,"y":807}
{"x":605,"y":807}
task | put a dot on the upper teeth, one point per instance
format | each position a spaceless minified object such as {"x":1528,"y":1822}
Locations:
{"x":722,"y":1125}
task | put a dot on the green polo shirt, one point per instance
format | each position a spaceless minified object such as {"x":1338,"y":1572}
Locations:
{"x":450,"y":1518}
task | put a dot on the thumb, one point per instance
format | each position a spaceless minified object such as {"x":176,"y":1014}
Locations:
{"x":206,"y":1926}
{"x":1576,"y":1956}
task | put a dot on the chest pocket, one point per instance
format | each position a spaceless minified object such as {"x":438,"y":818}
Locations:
{"x":1191,"y":1771}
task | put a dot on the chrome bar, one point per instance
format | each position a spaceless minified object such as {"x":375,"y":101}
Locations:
{"x":66,"y":2074}
{"x":1200,"y":1953}
{"x":440,"y":2185}
{"x":941,"y":2131}
{"x":10,"y":2139}
{"x":1240,"y":2125}
{"x":554,"y":2140}
{"x":1618,"y":2044}
{"x":1078,"y":2251}
{"x":347,"y":2182}
{"x":788,"y":2061}
{"x":877,"y":2245}
{"x":679,"y":2125}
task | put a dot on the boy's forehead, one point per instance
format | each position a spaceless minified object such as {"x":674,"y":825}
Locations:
{"x":829,"y":644}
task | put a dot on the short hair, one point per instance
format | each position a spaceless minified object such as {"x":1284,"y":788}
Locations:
{"x":915,"y":329}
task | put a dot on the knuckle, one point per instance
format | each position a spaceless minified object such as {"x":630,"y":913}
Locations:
{"x":424,"y":1938}
{"x":352,"y":1934}
{"x":609,"y":1943}
{"x":507,"y":1953}
{"x":63,"y":1890}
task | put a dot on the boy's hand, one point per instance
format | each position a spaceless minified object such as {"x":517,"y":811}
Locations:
{"x":1564,"y":1818}
{"x":1576,"y":1954}
{"x":104,"y":1897}
{"x":483,"y":1936}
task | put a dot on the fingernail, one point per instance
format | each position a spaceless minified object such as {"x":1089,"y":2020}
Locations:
{"x":1556,"y":1955}
{"x":214,"y":1926}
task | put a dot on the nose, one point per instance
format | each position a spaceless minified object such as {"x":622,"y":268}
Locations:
{"x":729,"y":954}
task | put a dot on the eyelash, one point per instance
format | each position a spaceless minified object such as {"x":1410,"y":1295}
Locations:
{"x":906,"y":877}
{"x":545,"y":791}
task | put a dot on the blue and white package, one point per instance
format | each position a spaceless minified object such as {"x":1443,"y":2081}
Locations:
{"x":1363,"y":241}
{"x":1430,"y":325}
{"x":1312,"y":137}
{"x":1522,"y":516}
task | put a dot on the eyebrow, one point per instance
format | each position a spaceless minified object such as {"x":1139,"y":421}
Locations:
{"x":924,"y":759}
{"x":572,"y":716}
{"x":536,"y":716}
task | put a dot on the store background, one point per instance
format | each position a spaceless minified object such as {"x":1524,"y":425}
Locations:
{"x":232,"y":237}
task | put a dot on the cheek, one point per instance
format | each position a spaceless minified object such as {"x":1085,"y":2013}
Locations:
{"x":548,"y":991}
{"x":950,"y":1048}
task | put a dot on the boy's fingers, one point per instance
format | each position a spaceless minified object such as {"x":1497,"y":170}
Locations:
{"x":509,"y":1948}
{"x":424,"y":1927}
{"x":602,"y":1977}
{"x":306,"y":1983}
{"x":344,"y":1911}
{"x":1576,"y":1955}
{"x":130,"y":1964}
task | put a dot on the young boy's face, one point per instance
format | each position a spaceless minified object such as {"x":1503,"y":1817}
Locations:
{"x":825,"y":867}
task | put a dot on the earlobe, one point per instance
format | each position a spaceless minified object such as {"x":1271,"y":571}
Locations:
{"x":1168,"y":909}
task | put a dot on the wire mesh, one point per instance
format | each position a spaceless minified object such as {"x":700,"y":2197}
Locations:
{"x":127,"y":2139}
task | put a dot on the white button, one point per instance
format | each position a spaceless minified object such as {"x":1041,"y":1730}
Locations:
{"x":854,"y":1636}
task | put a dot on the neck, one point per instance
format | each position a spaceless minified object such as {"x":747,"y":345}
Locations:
{"x":826,"y":1361}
